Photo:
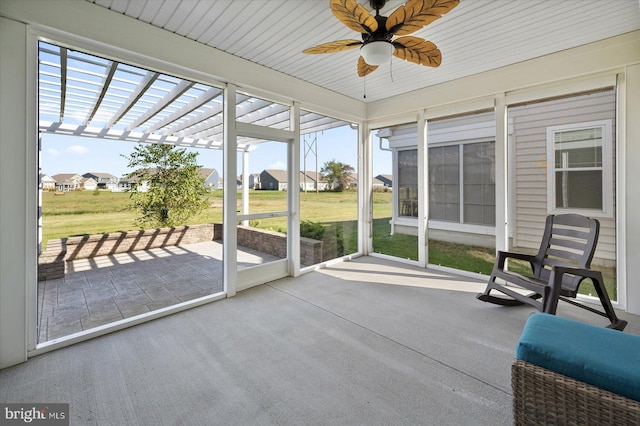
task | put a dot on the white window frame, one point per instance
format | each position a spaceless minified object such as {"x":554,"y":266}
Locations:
{"x":475,"y":228}
{"x":607,"y":168}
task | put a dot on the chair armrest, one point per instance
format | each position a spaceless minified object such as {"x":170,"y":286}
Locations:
{"x":557,"y":273}
{"x":555,"y":283}
{"x":504,"y":255}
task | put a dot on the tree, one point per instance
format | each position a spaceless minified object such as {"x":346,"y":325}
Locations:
{"x":336,"y":174}
{"x":175,"y":190}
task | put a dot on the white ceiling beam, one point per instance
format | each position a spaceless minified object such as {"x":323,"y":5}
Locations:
{"x":261,"y":132}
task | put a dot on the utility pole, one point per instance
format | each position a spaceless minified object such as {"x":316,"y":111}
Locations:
{"x":310,"y":147}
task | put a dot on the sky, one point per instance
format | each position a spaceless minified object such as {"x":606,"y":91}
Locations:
{"x":79,"y":155}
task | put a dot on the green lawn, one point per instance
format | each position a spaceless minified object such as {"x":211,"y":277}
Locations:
{"x":82,"y":212}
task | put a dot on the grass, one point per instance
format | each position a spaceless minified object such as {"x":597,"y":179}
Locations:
{"x":82,"y":212}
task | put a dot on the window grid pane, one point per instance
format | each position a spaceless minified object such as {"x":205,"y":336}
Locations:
{"x":444,"y":183}
{"x":578,"y":168}
{"x":408,"y":182}
{"x":479,"y":183}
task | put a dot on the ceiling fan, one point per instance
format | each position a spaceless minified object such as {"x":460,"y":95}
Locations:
{"x":377,"y":31}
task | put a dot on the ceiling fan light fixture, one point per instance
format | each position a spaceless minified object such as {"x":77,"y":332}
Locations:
{"x":377,"y":52}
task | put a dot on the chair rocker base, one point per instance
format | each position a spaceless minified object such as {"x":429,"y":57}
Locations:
{"x":505,"y":301}
{"x":615,"y":322}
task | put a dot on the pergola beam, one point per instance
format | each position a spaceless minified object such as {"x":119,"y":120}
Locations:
{"x":148,"y":79}
{"x":173,"y":94}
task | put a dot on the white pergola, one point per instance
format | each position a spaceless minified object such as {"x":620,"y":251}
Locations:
{"x":86,"y":95}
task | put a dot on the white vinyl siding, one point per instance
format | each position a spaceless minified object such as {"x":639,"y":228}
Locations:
{"x":531,"y":185}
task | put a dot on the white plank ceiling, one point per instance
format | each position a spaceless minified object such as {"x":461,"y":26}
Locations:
{"x":85,"y":95}
{"x":476,"y":36}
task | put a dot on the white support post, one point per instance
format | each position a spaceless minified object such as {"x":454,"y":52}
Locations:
{"x":631,"y":158}
{"x":293,"y":193}
{"x":502,"y":136}
{"x":17,"y":233}
{"x":230,"y":193}
{"x":423,"y":191}
{"x":245,"y":185}
{"x":365,"y":188}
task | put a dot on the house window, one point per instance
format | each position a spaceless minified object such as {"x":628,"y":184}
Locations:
{"x":462,"y":183}
{"x":444,"y":183}
{"x":580,"y":172}
{"x":479,"y":160}
{"x":408,"y":182}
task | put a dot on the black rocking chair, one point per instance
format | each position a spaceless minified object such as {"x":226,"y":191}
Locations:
{"x":562,"y":263}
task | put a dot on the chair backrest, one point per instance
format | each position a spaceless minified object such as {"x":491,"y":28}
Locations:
{"x":568,"y":240}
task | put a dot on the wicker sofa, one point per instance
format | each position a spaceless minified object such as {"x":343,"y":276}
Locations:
{"x":570,"y":373}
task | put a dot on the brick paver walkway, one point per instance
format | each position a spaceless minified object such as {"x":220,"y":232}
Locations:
{"x":105,"y":289}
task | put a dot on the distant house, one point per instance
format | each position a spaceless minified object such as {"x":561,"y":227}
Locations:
{"x":254,"y":180}
{"x":48,"y":183}
{"x":103,"y":180}
{"x":273,"y":180}
{"x":352,"y":179}
{"x":377,"y":183}
{"x":88,"y":184}
{"x":387,"y":180}
{"x":311,"y":181}
{"x":211,"y":178}
{"x":126,"y":183}
{"x":67,"y":181}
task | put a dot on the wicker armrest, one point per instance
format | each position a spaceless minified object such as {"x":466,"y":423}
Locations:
{"x":544,"y":397}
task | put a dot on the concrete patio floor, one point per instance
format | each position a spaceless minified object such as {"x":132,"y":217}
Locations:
{"x":366,"y":342}
{"x":104,"y":289}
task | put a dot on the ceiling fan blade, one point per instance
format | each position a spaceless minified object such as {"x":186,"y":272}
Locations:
{"x":417,"y":50}
{"x":354,"y":16}
{"x":364,"y":68}
{"x":415,"y":14}
{"x":334,"y":46}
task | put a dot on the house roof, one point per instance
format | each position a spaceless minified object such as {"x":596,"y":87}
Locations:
{"x":281,"y":176}
{"x":100,"y":175}
{"x":66,"y":177}
{"x":313,"y":175}
{"x":377,"y":181}
{"x":278,"y":175}
{"x":204,"y":172}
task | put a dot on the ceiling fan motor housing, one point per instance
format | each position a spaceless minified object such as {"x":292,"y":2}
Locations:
{"x":377,"y":4}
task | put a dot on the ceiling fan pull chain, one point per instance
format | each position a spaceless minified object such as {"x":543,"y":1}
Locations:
{"x":364,"y":87}
{"x":391,"y":69}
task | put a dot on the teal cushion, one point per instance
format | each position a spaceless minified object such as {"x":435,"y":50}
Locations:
{"x":602,"y":357}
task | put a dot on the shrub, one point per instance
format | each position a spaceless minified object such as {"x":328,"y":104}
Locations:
{"x":312,"y":230}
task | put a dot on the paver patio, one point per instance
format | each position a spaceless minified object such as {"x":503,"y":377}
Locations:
{"x":100,"y":290}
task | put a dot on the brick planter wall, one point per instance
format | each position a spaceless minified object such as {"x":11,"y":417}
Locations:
{"x":124,"y":242}
{"x":51,"y":262}
{"x":275,"y":243}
